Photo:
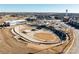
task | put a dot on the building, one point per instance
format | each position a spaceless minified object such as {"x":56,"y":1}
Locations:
{"x":15,"y":22}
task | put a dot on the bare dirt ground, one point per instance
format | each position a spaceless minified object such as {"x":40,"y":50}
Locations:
{"x":75,"y":48}
{"x":8,"y":44}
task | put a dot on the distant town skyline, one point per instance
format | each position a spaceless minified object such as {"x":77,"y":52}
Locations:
{"x":61,"y":8}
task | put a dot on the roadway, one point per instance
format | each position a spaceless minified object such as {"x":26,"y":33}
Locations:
{"x":75,"y":48}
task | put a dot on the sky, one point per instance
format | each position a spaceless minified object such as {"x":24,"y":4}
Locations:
{"x":72,"y":8}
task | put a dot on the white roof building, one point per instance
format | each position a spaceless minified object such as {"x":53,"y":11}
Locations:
{"x":15,"y":22}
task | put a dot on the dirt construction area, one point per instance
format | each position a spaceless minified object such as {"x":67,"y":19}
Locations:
{"x":23,"y":40}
